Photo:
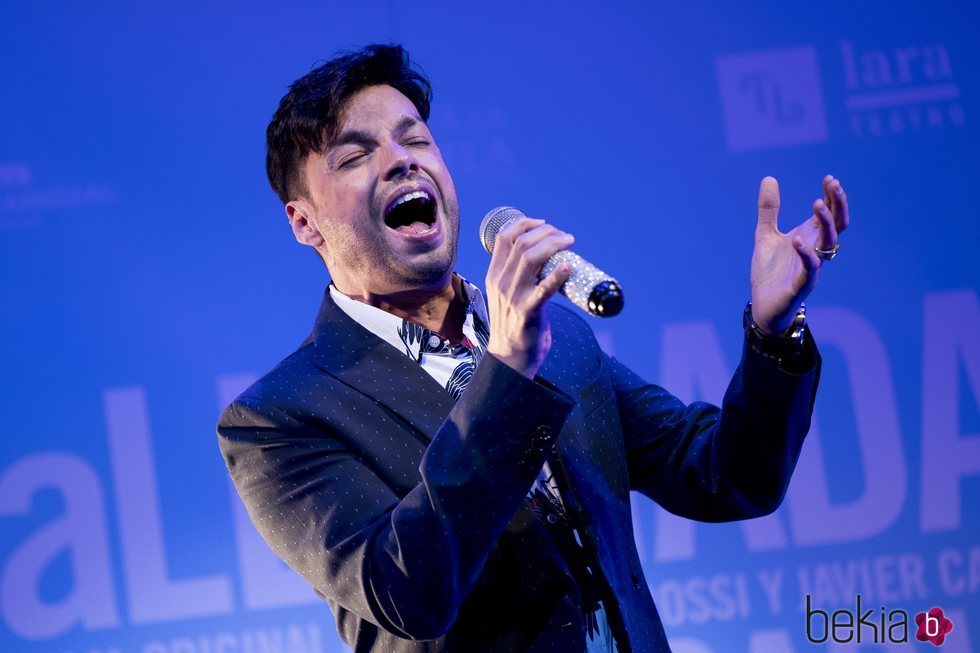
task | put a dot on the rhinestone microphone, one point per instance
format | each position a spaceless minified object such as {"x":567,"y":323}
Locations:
{"x":588,"y":287}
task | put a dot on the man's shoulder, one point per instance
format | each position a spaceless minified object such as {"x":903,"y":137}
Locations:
{"x":279,"y":390}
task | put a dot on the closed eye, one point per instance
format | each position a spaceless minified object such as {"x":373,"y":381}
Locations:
{"x":351,"y":159}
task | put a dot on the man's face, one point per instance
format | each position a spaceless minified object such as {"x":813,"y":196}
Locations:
{"x":382,"y":200}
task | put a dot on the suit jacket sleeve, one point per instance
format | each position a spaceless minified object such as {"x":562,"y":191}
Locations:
{"x":405,"y":564}
{"x":719,"y":464}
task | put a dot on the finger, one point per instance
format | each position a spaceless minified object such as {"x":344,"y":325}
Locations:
{"x":513,"y":263}
{"x":826,"y":231}
{"x":506,"y":236}
{"x":504,"y":241}
{"x":535,"y":257}
{"x":828,"y":192}
{"x":768,"y":204}
{"x":551,"y":284}
{"x":532,"y":237}
{"x":842,"y":216}
{"x":807,"y":255}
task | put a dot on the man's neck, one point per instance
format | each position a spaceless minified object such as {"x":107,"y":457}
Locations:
{"x":442,"y":310}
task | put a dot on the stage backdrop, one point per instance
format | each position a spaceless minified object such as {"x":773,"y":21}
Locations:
{"x":148,"y":275}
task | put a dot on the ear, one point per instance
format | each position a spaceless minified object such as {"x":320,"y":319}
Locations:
{"x":300,"y":214}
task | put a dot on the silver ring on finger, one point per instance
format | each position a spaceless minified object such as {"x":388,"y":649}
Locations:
{"x":827,"y":254}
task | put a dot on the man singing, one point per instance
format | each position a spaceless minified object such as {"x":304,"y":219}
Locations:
{"x":451,"y":469}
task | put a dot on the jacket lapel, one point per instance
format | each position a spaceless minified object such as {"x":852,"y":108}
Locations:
{"x":346,"y":350}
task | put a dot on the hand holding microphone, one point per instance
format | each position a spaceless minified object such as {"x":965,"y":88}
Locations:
{"x":587,"y":287}
{"x":530,"y":263}
{"x":520,"y":335}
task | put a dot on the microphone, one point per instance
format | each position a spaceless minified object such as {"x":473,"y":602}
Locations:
{"x":588,"y":287}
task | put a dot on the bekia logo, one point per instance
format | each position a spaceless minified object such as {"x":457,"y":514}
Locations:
{"x":933,"y":626}
{"x":771,"y":98}
{"x":891,"y":627}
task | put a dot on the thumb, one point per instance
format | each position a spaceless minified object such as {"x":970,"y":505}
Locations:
{"x":768,"y":203}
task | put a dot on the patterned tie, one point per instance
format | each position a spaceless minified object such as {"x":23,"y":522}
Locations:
{"x":467,"y":353}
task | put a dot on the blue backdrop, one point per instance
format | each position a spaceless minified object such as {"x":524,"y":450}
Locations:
{"x":137,"y":230}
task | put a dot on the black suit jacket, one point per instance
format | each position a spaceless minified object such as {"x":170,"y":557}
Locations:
{"x":407,"y":512}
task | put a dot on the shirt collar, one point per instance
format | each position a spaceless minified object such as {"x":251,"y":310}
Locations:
{"x":408,"y":337}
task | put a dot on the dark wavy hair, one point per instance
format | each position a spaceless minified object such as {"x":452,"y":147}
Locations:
{"x":308,"y":115}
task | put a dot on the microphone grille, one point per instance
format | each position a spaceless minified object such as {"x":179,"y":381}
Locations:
{"x":494,"y":221}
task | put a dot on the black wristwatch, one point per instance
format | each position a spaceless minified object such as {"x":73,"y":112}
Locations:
{"x":781,"y":347}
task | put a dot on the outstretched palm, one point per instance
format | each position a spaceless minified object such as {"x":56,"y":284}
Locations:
{"x":785,"y":265}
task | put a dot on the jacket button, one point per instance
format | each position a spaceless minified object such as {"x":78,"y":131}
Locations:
{"x":544,"y":431}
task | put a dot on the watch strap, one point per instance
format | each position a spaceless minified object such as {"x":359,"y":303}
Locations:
{"x":781,"y":347}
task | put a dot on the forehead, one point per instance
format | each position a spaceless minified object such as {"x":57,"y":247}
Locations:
{"x":375,"y":107}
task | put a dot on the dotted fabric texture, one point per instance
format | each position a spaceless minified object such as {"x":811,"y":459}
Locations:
{"x":405,"y":511}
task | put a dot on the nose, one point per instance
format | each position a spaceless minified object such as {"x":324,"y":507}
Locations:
{"x":401,"y":162}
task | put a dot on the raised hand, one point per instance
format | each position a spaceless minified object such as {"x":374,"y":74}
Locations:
{"x":520,"y":335}
{"x":785,"y":266}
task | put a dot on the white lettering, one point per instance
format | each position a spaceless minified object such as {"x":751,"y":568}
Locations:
{"x":876,"y":69}
{"x":883,"y":579}
{"x":152,"y":596}
{"x":959,"y":575}
{"x":80,"y":531}
{"x":951,"y":342}
{"x":814,"y":519}
{"x":772,"y":584}
{"x":700,"y":599}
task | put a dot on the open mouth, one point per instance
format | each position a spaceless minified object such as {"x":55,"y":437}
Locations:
{"x":412,"y":213}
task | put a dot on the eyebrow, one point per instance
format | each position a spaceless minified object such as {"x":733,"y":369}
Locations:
{"x":358,"y":136}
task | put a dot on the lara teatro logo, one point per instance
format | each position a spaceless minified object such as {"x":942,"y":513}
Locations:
{"x":771,"y":98}
{"x":876,"y":627}
{"x":774,"y":98}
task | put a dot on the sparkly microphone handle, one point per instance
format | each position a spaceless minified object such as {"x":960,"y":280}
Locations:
{"x":588,"y":287}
